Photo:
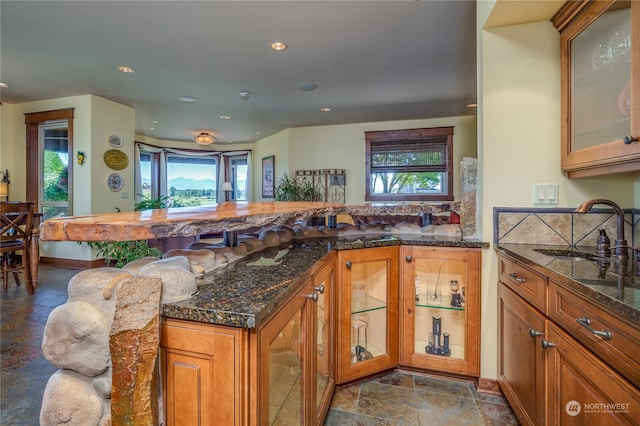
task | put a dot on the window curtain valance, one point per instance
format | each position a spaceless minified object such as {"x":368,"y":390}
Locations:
{"x":163,"y":152}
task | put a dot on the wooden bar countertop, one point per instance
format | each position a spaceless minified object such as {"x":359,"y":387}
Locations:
{"x":191,"y":221}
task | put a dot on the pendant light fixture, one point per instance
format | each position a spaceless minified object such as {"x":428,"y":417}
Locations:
{"x":205,"y":138}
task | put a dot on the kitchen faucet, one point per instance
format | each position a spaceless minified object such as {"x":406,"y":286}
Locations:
{"x":620,"y":243}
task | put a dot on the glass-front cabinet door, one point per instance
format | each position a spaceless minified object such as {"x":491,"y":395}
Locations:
{"x":296,"y":376}
{"x":324,"y":347}
{"x":282,"y":355}
{"x":600,"y":84}
{"x":440,"y":315}
{"x":367,"y":312}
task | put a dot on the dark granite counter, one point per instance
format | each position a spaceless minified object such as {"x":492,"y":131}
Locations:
{"x":598,"y":281}
{"x":246,"y":292}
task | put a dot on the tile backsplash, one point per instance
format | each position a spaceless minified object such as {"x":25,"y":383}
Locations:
{"x":560,"y":226}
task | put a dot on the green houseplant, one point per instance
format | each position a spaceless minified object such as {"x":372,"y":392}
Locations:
{"x":291,"y":188}
{"x":119,"y":253}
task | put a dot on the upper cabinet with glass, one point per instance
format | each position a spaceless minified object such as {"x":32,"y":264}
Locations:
{"x":600,"y":86}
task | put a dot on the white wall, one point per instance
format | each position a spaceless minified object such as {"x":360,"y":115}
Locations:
{"x":277,"y":145}
{"x":94,"y":120}
{"x":343,"y":147}
{"x":520,"y":144}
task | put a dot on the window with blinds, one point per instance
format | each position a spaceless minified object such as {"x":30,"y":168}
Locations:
{"x":409,"y":165}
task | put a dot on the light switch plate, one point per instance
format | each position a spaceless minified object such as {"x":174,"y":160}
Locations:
{"x":545,"y":194}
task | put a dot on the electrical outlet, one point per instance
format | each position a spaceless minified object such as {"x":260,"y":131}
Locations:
{"x":545,"y":194}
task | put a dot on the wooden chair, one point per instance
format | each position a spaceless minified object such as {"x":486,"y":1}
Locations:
{"x":15,"y":235}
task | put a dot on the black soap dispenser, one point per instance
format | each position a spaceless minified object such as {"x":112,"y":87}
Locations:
{"x":603,"y":244}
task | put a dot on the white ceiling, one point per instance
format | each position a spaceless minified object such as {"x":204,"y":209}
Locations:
{"x":372,"y":61}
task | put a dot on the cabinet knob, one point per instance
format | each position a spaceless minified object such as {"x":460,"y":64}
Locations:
{"x":534,"y":333}
{"x":517,"y":278}
{"x":408,"y":258}
{"x":628,"y":139}
{"x":348,"y":264}
{"x":586,"y":323}
{"x":313,"y":296}
{"x":319,"y":289}
{"x":546,"y":344}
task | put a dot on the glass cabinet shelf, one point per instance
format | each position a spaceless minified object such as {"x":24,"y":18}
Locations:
{"x":457,"y":351}
{"x":370,"y":304}
{"x":424,"y":302}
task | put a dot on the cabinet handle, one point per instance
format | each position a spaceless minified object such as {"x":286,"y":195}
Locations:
{"x":515,"y":277}
{"x":546,"y":344}
{"x":534,"y":333}
{"x":628,"y":139}
{"x":313,"y":296}
{"x":348,"y":264}
{"x":319,"y":289}
{"x":408,"y":258}
{"x":586,"y":323}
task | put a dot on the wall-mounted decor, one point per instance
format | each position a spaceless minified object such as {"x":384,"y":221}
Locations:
{"x":115,"y":141}
{"x":268,"y":176}
{"x":115,"y":182}
{"x":80,"y":157}
{"x":330,"y":183}
{"x":116,"y":159}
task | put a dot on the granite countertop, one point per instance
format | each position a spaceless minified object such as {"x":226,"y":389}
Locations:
{"x":599,"y":282}
{"x":247,"y":291}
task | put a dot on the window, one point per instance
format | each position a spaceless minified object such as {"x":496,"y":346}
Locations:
{"x":191,"y":180}
{"x":49,"y":139}
{"x":238,"y":169}
{"x":53,"y":148}
{"x":409,"y":165}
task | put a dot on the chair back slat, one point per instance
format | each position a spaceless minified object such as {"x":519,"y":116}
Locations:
{"x":15,"y":221}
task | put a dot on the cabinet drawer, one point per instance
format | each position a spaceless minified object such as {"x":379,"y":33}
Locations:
{"x":527,"y":283}
{"x":620,"y":348}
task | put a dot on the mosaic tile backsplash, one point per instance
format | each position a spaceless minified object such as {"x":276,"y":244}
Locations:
{"x":561,"y":227}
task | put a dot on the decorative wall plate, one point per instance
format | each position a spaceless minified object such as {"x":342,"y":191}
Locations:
{"x":116,"y":159}
{"x":114,"y":182}
{"x":115,"y":141}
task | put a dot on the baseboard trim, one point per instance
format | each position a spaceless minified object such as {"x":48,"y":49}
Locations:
{"x":489,"y":386}
{"x":73,"y":263}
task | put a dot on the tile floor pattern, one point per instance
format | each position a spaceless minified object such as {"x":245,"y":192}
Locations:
{"x":395,"y":398}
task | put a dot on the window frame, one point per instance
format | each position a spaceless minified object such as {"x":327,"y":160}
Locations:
{"x":405,"y":135}
{"x":33,"y":120}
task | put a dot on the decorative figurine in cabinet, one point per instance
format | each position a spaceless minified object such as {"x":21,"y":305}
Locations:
{"x":440,"y":309}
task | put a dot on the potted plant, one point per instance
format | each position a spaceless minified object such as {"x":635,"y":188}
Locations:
{"x":291,"y":188}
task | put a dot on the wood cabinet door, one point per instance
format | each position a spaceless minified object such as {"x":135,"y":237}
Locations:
{"x":521,"y":357}
{"x":583,"y":390}
{"x":600,"y":87}
{"x":367,"y":312}
{"x":440,"y":288}
{"x":323,"y":348}
{"x":283,"y":374}
{"x":203,"y":373}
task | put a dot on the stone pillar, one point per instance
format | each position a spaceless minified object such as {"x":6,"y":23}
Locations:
{"x":468,"y":204}
{"x":134,"y":342}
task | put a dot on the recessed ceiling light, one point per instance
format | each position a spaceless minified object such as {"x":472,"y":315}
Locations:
{"x":126,"y":70}
{"x":152,"y":128}
{"x":225,"y":117}
{"x":154,"y":121}
{"x":247,"y":137}
{"x":325,"y":109}
{"x":257,"y":133}
{"x":187,"y":99}
{"x":4,"y":85}
{"x":278,"y":46}
{"x":307,"y":87}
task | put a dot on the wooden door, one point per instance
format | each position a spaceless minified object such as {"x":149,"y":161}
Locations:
{"x":521,"y":357}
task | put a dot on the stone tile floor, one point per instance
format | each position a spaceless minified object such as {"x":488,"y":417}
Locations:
{"x":394,"y":398}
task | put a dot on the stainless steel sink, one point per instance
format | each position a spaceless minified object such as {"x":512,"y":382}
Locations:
{"x":572,"y":254}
